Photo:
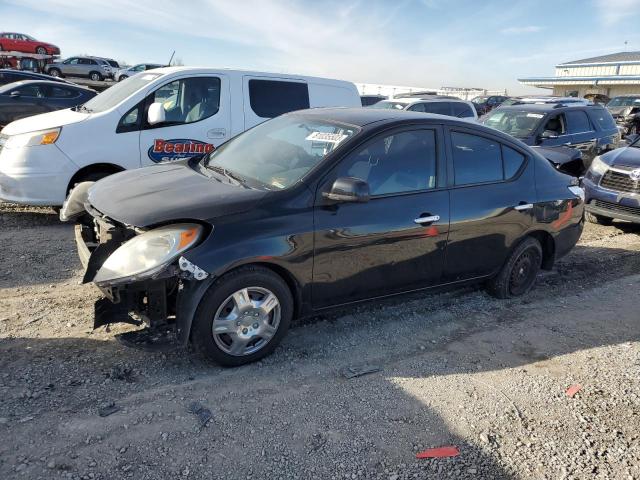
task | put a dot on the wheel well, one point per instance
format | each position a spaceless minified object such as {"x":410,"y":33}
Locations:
{"x":84,"y":172}
{"x":291,"y":282}
{"x":548,"y":248}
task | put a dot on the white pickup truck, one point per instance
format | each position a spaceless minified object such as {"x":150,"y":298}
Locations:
{"x":156,"y":116}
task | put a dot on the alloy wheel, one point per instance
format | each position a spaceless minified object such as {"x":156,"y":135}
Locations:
{"x":246,"y":321}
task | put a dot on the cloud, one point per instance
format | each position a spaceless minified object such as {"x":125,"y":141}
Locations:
{"x":614,"y":11}
{"x":519,"y":30}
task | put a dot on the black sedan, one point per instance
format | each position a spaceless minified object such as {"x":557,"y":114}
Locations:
{"x":316,"y":209}
{"x":23,"y":99}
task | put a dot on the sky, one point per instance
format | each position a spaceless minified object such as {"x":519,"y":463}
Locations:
{"x":422,"y":43}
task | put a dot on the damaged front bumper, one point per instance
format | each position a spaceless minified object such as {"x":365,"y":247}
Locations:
{"x":164,"y":303}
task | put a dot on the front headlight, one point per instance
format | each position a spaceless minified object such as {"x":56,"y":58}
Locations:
{"x":598,"y":166}
{"x":31,"y":139}
{"x":148,"y":253}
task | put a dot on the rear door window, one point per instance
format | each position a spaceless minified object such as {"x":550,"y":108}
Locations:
{"x":481,"y":160}
{"x":461,"y":110}
{"x":602,"y":118}
{"x":270,"y":98}
{"x":61,"y":92}
{"x":577,"y":122}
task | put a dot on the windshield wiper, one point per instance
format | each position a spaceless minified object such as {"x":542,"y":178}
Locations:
{"x":230,"y":175}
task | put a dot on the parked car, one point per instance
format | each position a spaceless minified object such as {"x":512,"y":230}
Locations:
{"x":368,"y":100}
{"x":93,"y":68}
{"x":9,"y":76}
{"x":19,"y":42}
{"x":31,"y":97}
{"x":588,"y":128}
{"x":315,"y":209}
{"x":124,"y":73}
{"x":441,"y":105}
{"x":612,"y":186}
{"x":626,"y":112}
{"x":485,"y":103}
{"x":158,"y":116}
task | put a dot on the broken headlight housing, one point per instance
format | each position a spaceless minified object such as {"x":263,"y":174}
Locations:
{"x":148,"y":253}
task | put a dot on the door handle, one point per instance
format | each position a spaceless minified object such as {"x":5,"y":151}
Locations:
{"x":429,"y":219}
{"x":524,"y":206}
{"x":217,"y":133}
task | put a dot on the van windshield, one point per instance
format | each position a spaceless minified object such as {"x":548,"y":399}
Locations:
{"x":112,"y":96}
{"x":279,"y":152}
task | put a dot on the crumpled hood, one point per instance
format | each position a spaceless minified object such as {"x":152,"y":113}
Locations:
{"x":626,"y":156}
{"x":163,"y":193}
{"x":618,"y":110}
{"x":559,"y":155}
{"x":44,"y":121}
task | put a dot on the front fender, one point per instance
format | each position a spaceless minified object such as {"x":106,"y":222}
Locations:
{"x":187,"y":303}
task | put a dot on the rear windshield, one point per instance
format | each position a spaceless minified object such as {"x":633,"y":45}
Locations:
{"x":389,"y":105}
{"x":518,"y":123}
{"x":624,"y":102}
{"x":119,"y":92}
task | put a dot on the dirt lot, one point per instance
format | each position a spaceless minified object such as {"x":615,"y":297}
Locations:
{"x":458,"y":368}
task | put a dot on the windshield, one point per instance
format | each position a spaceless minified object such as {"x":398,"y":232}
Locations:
{"x":624,"y":102}
{"x":518,"y":123}
{"x":119,"y":92}
{"x":480,"y":100}
{"x":388,"y":104}
{"x":279,"y":152}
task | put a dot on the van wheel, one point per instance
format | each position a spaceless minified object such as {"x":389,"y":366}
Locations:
{"x":519,"y":272}
{"x":96,"y":76}
{"x":243,"y":316}
{"x":54,"y":72}
{"x":598,"y":219}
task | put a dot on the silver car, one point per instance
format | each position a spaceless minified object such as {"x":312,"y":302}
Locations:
{"x":96,"y":69}
{"x":129,"y":72}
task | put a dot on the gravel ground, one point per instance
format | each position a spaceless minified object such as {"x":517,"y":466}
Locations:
{"x":458,"y":368}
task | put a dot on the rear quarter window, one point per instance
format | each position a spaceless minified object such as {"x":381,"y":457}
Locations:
{"x":602,"y":118}
{"x":270,"y":98}
{"x":461,"y":110}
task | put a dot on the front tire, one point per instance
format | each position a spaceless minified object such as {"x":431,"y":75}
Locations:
{"x":122,"y":77}
{"x":41,"y":51}
{"x":243,"y":316}
{"x":598,"y":219}
{"x":96,"y":77}
{"x":54,"y":72}
{"x":518,"y":274}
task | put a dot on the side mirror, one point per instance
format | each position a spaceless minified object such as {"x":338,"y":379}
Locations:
{"x":15,"y":94}
{"x":156,"y":114}
{"x":348,"y":189}
{"x":548,"y":134}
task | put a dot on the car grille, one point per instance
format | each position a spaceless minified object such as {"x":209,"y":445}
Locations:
{"x":616,"y":207}
{"x":620,"y":182}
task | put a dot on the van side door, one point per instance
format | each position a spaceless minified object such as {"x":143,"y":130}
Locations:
{"x":268,"y":97}
{"x":197,"y":118}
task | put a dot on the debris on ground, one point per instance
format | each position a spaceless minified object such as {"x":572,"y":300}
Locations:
{"x":439,"y":452}
{"x":359,"y":371}
{"x":572,"y":390}
{"x":202,"y":412}
{"x":108,"y":409}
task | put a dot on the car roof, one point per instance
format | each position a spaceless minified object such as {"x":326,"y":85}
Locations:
{"x":361,"y":117}
{"x":412,"y":100}
{"x":547,"y":107}
{"x":42,"y":76}
{"x":21,"y":83}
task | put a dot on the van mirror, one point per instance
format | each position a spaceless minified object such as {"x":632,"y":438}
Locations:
{"x":156,"y":114}
{"x":348,"y":189}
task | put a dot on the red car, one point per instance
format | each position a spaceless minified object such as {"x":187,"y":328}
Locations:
{"x":19,"y":42}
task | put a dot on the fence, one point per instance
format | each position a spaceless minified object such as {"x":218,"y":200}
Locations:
{"x":392,"y":91}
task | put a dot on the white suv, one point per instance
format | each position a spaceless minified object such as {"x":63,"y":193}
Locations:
{"x":441,"y":105}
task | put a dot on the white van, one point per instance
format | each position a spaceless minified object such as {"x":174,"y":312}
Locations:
{"x":155,"y":116}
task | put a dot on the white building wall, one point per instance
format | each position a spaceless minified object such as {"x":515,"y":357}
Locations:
{"x":588,"y":71}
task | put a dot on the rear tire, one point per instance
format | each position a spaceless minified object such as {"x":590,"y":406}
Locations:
{"x":518,"y":274}
{"x":598,"y":219}
{"x":219,"y":305}
{"x":96,"y":76}
{"x":122,"y":77}
{"x":41,"y":51}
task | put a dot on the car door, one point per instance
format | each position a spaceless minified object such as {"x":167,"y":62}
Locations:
{"x":553,"y":131}
{"x":583,"y":134}
{"x":60,"y":97}
{"x":492,"y":202}
{"x":394,"y":242}
{"x":198,"y":116}
{"x":70,"y":66}
{"x":9,"y":42}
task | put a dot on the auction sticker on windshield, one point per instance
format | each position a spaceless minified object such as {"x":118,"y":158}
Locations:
{"x":326,"y":137}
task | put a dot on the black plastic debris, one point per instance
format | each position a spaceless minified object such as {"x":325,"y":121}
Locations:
{"x":108,"y":409}
{"x":201,"y":412}
{"x":359,"y":370}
